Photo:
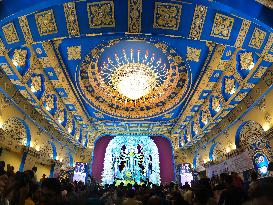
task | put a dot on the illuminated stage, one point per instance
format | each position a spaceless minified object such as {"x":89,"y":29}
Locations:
{"x":131,"y":159}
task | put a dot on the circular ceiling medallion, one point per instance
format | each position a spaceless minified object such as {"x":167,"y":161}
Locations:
{"x":133,"y":78}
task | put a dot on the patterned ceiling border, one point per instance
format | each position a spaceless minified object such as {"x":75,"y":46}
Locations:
{"x":263,"y":85}
{"x":29,"y":110}
{"x":48,"y":21}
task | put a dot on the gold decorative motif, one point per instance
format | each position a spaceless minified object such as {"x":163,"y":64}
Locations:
{"x":2,"y":47}
{"x":267,"y":117}
{"x":195,"y":128}
{"x":6,"y":68}
{"x":10,"y":33}
{"x":61,"y":116}
{"x":36,"y":83}
{"x":25,"y":28}
{"x":222,"y":26}
{"x":267,"y":3}
{"x":193,"y":54}
{"x":261,"y":105}
{"x":260,"y":72}
{"x":269,"y":58}
{"x":15,"y":132}
{"x":19,"y":57}
{"x":39,"y":51}
{"x":204,"y":117}
{"x":241,"y":96}
{"x":49,"y":102}
{"x":167,"y":15}
{"x":74,"y":52}
{"x":198,"y":21}
{"x":45,"y":22}
{"x":257,"y":38}
{"x":242,"y":33}
{"x":98,"y":114}
{"x":230,"y":87}
{"x":71,"y":19}
{"x":218,"y":152}
{"x":134,"y":16}
{"x":268,"y":45}
{"x":168,"y":115}
{"x":162,"y":46}
{"x":228,"y":53}
{"x":177,"y":59}
{"x":246,"y":61}
{"x":101,"y":14}
{"x":250,"y":133}
{"x":216,"y":104}
{"x":51,"y":74}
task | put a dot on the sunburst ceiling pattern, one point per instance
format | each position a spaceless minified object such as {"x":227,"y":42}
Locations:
{"x":157,"y":73}
{"x":172,"y":68}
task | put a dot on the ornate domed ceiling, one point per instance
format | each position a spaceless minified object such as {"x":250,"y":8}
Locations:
{"x":133,"y":79}
{"x":175,"y":68}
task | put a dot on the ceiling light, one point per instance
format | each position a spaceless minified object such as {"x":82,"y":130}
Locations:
{"x":228,"y":149}
{"x":266,"y":126}
{"x":1,"y":122}
{"x":232,"y":91}
{"x":135,"y":74}
{"x":15,"y":63}
{"x":233,"y":146}
{"x":59,"y":120}
{"x":33,"y":89}
{"x":218,"y":108}
{"x":134,"y":80}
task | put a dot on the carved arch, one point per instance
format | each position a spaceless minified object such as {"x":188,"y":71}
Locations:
{"x":248,"y":133}
{"x":17,"y":133}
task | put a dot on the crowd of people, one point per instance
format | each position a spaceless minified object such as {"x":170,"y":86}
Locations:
{"x":22,"y":188}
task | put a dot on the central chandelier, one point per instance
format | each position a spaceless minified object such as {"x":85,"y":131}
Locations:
{"x":134,"y":80}
{"x":135,"y":75}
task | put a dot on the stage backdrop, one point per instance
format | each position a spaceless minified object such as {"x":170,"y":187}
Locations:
{"x":165,"y":158}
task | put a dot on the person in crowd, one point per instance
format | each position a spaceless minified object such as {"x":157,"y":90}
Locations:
{"x":20,"y":188}
{"x":33,"y":195}
{"x":217,"y":192}
{"x":2,"y":168}
{"x":236,"y":180}
{"x":232,"y":195}
{"x":43,"y":178}
{"x":51,"y":192}
{"x":17,"y":188}
{"x":10,"y":170}
{"x":3,"y":182}
{"x":120,"y":197}
{"x":154,"y":200}
{"x":270,"y":169}
{"x":187,"y":193}
{"x":262,"y":192}
{"x":130,"y":198}
{"x":34,"y":169}
{"x":202,"y":194}
{"x":177,"y":199}
{"x":254,"y":178}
